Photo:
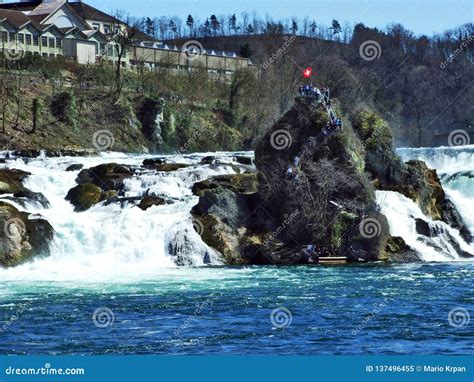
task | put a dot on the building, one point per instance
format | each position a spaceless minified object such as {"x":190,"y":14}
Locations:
{"x":80,"y":32}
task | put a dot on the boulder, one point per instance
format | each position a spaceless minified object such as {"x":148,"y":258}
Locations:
{"x":153,"y":162}
{"x":75,"y":167}
{"x":240,"y":183}
{"x":244,"y":160}
{"x":84,"y":196}
{"x":109,"y":177}
{"x":208,"y":160}
{"x":150,"y":201}
{"x":167,"y":167}
{"x":11,"y":181}
{"x":22,"y":236}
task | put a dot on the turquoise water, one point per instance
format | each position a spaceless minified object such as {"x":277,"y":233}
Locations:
{"x":371,"y":309}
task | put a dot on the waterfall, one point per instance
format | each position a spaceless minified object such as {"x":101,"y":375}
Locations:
{"x":455,"y":166}
{"x":114,"y":241}
{"x":440,"y":243}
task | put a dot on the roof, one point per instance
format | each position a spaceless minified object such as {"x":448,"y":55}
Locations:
{"x":47,"y":8}
{"x":23,"y":6}
{"x":90,"y":13}
{"x":15,"y":18}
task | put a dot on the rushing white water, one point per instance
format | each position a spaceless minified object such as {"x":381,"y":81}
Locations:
{"x":110,"y":242}
{"x":402,"y":213}
{"x":455,"y":166}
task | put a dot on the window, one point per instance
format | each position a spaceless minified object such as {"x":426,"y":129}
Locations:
{"x":44,"y":41}
{"x":110,"y":50}
{"x":59,"y":43}
{"x":28,"y":39}
{"x":52,"y":42}
{"x":12,"y":36}
{"x":106,"y":28}
{"x":21,"y":38}
{"x":4,"y":36}
{"x":96,"y":26}
{"x":35,"y":40}
{"x":97,"y":49}
{"x":103,"y":49}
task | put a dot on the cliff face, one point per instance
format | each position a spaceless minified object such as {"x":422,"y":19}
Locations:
{"x":316,"y":187}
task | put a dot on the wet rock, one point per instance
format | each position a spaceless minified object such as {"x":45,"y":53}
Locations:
{"x":167,"y":167}
{"x":109,"y":177}
{"x":423,"y":228}
{"x":399,"y":252}
{"x":84,"y":196}
{"x":22,"y":236}
{"x":208,"y":160}
{"x":244,"y":160}
{"x":35,"y":196}
{"x":11,"y":180}
{"x":240,"y":183}
{"x":150,"y":201}
{"x":153,"y":162}
{"x":75,"y":167}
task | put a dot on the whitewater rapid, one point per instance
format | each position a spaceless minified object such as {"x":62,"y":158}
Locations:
{"x":110,"y":241}
{"x":122,"y":243}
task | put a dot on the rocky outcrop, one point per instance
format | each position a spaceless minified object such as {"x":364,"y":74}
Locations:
{"x":11,"y":182}
{"x":413,"y":179}
{"x":109,"y":176}
{"x":86,"y":195}
{"x":327,"y":200}
{"x":150,"y":201}
{"x":22,"y":236}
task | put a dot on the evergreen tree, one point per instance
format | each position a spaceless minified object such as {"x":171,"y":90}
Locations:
{"x":215,"y":24}
{"x":294,"y":26}
{"x":190,"y":24}
{"x":149,"y":27}
{"x":233,"y":24}
{"x":336,"y":27}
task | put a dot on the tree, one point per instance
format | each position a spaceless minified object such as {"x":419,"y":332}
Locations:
{"x":206,"y":28}
{"x":336,"y":27}
{"x":249,"y":29}
{"x":149,"y":27}
{"x":233,"y":24}
{"x":294,"y":26}
{"x":190,"y":24}
{"x":245,"y":51}
{"x":163,"y":24}
{"x":312,"y":28}
{"x":173,"y":27}
{"x":215,"y":24}
{"x":124,"y":34}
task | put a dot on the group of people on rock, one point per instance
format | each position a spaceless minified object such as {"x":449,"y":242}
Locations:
{"x":315,"y":94}
{"x":323,"y":96}
{"x":293,"y":169}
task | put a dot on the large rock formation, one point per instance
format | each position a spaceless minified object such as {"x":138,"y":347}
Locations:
{"x":328,"y":201}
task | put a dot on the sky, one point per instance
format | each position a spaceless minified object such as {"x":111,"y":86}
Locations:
{"x":420,"y":16}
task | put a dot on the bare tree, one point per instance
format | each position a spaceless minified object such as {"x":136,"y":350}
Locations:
{"x":125,"y":33}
